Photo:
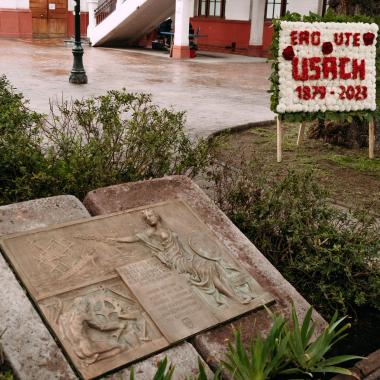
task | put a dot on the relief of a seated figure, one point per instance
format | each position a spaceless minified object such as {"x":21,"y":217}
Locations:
{"x":205,"y":273}
{"x":80,"y":324}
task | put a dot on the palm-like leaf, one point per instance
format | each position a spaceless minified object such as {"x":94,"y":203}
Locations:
{"x":162,"y":373}
{"x":202,"y":373}
{"x":308,"y":355}
{"x":265,"y":357}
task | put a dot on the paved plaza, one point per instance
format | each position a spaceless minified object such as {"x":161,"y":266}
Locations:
{"x":217,"y":91}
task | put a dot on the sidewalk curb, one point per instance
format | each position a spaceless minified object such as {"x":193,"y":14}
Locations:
{"x":243,"y":127}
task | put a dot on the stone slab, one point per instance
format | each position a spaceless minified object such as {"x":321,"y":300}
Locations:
{"x":184,"y":357}
{"x":366,"y":369}
{"x":212,"y":345}
{"x":374,"y":375}
{"x":40,"y":213}
{"x":369,"y":365}
{"x":27,"y":344}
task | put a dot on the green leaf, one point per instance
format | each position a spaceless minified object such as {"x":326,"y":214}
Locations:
{"x":332,"y":369}
{"x":132,"y":374}
{"x":341,"y":359}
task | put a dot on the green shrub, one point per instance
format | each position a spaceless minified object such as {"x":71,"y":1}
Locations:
{"x":265,"y":358}
{"x":330,"y":256}
{"x":7,"y":375}
{"x":284,"y":353}
{"x":89,"y":143}
{"x":118,"y":137}
{"x":21,"y":157}
{"x":288,"y":352}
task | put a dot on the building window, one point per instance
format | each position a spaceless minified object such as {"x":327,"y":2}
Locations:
{"x":211,"y":8}
{"x":273,"y":9}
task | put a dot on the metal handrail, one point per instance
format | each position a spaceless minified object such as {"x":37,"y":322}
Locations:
{"x":104,"y":10}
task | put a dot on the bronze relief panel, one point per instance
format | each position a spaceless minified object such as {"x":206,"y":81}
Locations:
{"x":102,"y":326}
{"x":119,"y":287}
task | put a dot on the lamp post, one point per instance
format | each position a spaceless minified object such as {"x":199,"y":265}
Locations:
{"x":78,"y":75}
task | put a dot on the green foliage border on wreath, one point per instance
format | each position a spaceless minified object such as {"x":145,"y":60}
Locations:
{"x":298,"y":117}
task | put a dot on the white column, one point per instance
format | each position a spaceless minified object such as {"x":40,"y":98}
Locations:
{"x":257,"y":22}
{"x":182,"y":19}
{"x":181,"y":29}
{"x":92,"y":5}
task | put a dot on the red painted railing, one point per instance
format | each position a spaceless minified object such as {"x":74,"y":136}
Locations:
{"x":104,"y":10}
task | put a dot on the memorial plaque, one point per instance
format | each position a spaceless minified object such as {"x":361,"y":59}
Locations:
{"x":166,"y":296}
{"x":119,"y":287}
{"x":101,"y":326}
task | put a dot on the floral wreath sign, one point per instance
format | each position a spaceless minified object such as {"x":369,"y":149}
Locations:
{"x":327,"y":67}
{"x":322,"y":69}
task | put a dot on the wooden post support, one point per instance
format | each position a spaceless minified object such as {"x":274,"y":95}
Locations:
{"x":301,"y":134}
{"x":279,"y":139}
{"x":371,"y":139}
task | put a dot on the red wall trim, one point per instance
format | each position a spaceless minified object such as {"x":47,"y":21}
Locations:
{"x":16,"y":23}
{"x":83,"y":24}
{"x":221,"y":36}
{"x":221,"y":33}
{"x":218,"y":20}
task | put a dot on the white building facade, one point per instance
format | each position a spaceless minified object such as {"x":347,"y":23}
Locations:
{"x":236,"y":26}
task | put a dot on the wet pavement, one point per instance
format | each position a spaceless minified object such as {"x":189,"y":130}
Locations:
{"x":217,"y":91}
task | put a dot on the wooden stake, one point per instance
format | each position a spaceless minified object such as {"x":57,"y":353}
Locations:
{"x":301,"y":134}
{"x":279,"y":139}
{"x":371,"y":139}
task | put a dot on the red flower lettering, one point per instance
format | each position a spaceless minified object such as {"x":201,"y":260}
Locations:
{"x":327,"y":48}
{"x":358,"y":69}
{"x":329,"y":66}
{"x":368,"y":38}
{"x":314,"y":66}
{"x":304,"y":65}
{"x":342,"y":68}
{"x":338,"y":38}
{"x":288,"y":53}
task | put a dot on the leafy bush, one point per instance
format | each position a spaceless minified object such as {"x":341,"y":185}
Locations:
{"x":85,"y":144}
{"x":21,"y":156}
{"x":7,"y":375}
{"x":288,"y":352}
{"x":330,"y":256}
{"x":265,"y":359}
{"x":166,"y":372}
{"x":118,"y":137}
{"x":284,"y":352}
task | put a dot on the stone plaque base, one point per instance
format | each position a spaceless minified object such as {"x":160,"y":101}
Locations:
{"x":120,"y":287}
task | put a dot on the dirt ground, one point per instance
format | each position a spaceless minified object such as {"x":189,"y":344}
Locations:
{"x":351,"y":179}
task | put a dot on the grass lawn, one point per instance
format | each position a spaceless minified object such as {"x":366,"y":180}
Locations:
{"x":351,"y":178}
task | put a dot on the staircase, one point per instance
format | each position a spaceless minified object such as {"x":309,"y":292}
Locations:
{"x":123,"y":22}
